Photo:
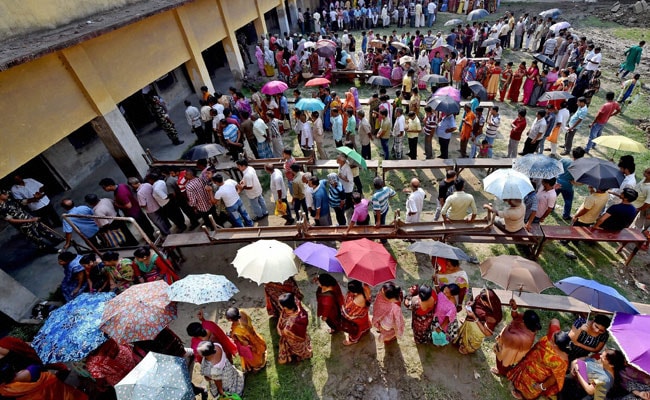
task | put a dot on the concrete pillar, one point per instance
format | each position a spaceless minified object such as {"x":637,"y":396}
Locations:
{"x":234,"y":57}
{"x":111,"y":126}
{"x":196,"y":68}
{"x":282,"y":19}
{"x":120,"y":141}
{"x":260,"y":22}
{"x":293,"y":12}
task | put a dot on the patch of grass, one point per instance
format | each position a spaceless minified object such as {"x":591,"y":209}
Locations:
{"x":633,"y":34}
{"x":594,"y":22}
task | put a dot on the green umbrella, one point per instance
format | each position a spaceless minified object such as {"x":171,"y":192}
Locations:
{"x":353,"y":155}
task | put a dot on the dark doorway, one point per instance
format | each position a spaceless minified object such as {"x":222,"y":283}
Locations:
{"x":40,"y":169}
{"x":214,"y":57}
{"x":272,"y":24}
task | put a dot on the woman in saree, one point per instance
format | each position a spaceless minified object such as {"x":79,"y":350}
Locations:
{"x":223,"y":378}
{"x":504,"y":81}
{"x":355,"y":312}
{"x":387,"y":314}
{"x":483,"y":315}
{"x":445,"y":311}
{"x":326,"y":98}
{"x":33,"y":384}
{"x":348,"y":104}
{"x":355,"y":94}
{"x":483,"y":73}
{"x":210,"y":331}
{"x":561,"y":84}
{"x":313,"y":63}
{"x":515,"y":85}
{"x":273,"y":291}
{"x":329,"y":300}
{"x":259,"y":56}
{"x":327,"y":71}
{"x":449,"y":271}
{"x":151,"y":267}
{"x":515,"y":340}
{"x":538,"y":90}
{"x":531,"y":79}
{"x":396,"y":74}
{"x":17,"y":352}
{"x":120,"y":271}
{"x":295,"y":344}
{"x":493,"y":82}
{"x":551,"y":77}
{"x":542,"y":371}
{"x":422,"y":302}
{"x":250,"y":345}
{"x":110,"y":363}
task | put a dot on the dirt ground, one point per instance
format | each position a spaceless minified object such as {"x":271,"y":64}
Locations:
{"x":370,"y":370}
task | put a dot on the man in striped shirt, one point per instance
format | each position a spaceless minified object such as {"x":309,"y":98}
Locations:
{"x":231,"y":137}
{"x":430,"y":125}
{"x":198,"y":198}
{"x":492,"y":123}
{"x":380,"y":201}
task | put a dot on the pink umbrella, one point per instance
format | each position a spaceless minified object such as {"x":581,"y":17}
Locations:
{"x":448,"y":91}
{"x":274,"y":87}
{"x":444,"y":49}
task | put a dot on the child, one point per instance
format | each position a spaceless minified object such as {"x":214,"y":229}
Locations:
{"x":439,"y":337}
{"x":484,"y":150}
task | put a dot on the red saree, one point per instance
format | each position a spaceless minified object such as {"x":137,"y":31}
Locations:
{"x":329,"y":306}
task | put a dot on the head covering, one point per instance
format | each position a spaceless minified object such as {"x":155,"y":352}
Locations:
{"x":487,"y":308}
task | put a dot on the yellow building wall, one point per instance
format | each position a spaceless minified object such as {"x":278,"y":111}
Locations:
{"x":41,"y":103}
{"x":208,"y":25}
{"x":130,"y":58}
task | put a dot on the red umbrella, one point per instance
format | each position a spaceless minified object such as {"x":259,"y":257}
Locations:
{"x":366,"y":261}
{"x":318,"y":82}
{"x":274,"y":87}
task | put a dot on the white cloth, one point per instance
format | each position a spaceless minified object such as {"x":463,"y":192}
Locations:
{"x":27,"y":191}
{"x":160,"y":193}
{"x":104,"y":208}
{"x":345,"y":171}
{"x":399,"y":126}
{"x":251,"y":180}
{"x":306,"y":137}
{"x":193,"y":116}
{"x":415,"y":204}
{"x":228,"y":193}
{"x":277,"y":184}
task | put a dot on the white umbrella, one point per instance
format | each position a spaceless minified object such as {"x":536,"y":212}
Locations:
{"x":202,"y":289}
{"x":309,"y":45}
{"x":559,"y":26}
{"x":405,"y":59}
{"x":266,"y":261}
{"x":507,"y":184}
{"x":399,"y":44}
{"x":156,"y":377}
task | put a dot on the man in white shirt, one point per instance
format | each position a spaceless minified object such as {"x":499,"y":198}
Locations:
{"x":318,"y":134}
{"x":144,"y":192}
{"x":415,"y":202}
{"x":193,"y":117}
{"x":431,"y":8}
{"x":279,"y":190}
{"x":170,"y":209}
{"x":30,"y":193}
{"x":206,"y":118}
{"x":561,"y":120}
{"x":306,"y":136}
{"x":252,"y":189}
{"x":346,"y":177}
{"x":439,"y":41}
{"x":345,"y":41}
{"x":260,"y":130}
{"x":228,"y":192}
{"x":592,"y":61}
{"x":399,"y":128}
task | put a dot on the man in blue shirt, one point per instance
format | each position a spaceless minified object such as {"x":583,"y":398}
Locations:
{"x":574,"y":123}
{"x":337,"y":127}
{"x":86,"y":226}
{"x":321,"y":201}
{"x":565,"y":180}
{"x":446,"y":126}
{"x":74,"y":282}
{"x":380,"y":204}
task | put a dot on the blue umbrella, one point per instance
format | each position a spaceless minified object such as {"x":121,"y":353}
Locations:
{"x":157,"y":377}
{"x":310,"y":105}
{"x":477,"y":14}
{"x":319,"y":255}
{"x":553,"y":13}
{"x":596,"y":294}
{"x":379,"y":81}
{"x":538,"y":166}
{"x":72,"y":331}
{"x":202,"y":289}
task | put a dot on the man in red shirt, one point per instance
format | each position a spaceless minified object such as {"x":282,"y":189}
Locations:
{"x":608,"y":110}
{"x":518,"y":127}
{"x":127,"y":202}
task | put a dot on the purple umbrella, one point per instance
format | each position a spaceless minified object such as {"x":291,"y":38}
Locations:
{"x":448,"y":91}
{"x":319,"y":255}
{"x":631,"y":333}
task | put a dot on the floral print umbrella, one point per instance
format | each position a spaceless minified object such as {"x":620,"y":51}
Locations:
{"x":139,"y":313}
{"x":157,"y":377}
{"x":202,"y":289}
{"x":72,"y":331}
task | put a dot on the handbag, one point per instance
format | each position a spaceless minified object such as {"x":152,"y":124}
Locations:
{"x":114,"y":238}
{"x":280,"y":208}
{"x":554,"y":134}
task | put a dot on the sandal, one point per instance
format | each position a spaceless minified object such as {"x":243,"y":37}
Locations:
{"x":462,"y":350}
{"x":495,"y":371}
{"x":346,"y":342}
{"x":516,"y":394}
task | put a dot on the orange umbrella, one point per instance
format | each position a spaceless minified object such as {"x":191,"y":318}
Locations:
{"x":318,"y":82}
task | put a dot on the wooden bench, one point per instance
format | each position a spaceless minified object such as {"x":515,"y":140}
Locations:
{"x":352,"y":74}
{"x":551,"y":302}
{"x":332,"y":164}
{"x":582,"y":233}
{"x":496,"y":235}
{"x":459,"y":164}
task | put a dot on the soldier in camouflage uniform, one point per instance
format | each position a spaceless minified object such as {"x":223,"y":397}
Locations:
{"x":12,"y":212}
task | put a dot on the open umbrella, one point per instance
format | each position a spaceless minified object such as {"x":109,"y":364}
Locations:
{"x":399,"y":45}
{"x":309,"y":45}
{"x":559,"y":26}
{"x":538,"y":166}
{"x":444,"y":49}
{"x":310,"y":105}
{"x":138,"y":313}
{"x":453,"y":22}
{"x":596,"y":294}
{"x":325,"y":48}
{"x":202,"y":289}
{"x":274,"y":87}
{"x":435,"y":248}
{"x":490,"y":42}
{"x":71,"y":332}
{"x":448,"y":91}
{"x":319,"y":255}
{"x":632,"y":334}
{"x":405,"y":59}
{"x":266,"y":261}
{"x":353,"y":155}
{"x":376,"y":43}
{"x":444,"y":104}
{"x":157,"y":377}
{"x":621,"y":143}
{"x":379,"y":81}
{"x":207,"y":150}
{"x":317,"y":82}
{"x":367,"y":261}
{"x":553,"y":13}
{"x":515,"y":273}
{"x":556,"y":95}
{"x":507,"y":184}
{"x":477,"y":88}
{"x":477,"y":14}
{"x":544,"y":59}
{"x":434,"y":79}
{"x":598,"y":173}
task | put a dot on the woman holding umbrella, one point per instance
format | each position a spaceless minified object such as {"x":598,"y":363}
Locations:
{"x":355,"y":311}
{"x":250,"y":345}
{"x":329,"y":300}
{"x":295,"y":344}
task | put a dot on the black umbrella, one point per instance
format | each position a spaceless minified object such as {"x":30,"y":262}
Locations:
{"x":544,"y":59}
{"x":596,"y":172}
{"x":434,"y":79}
{"x":445,"y":104}
{"x":208,"y":150}
{"x":477,"y":88}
